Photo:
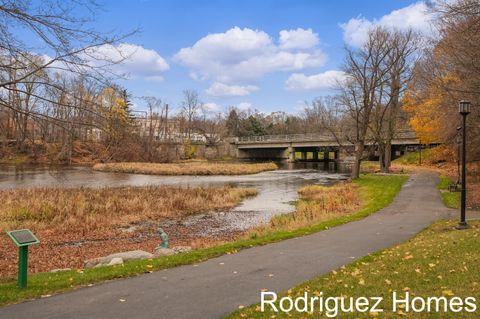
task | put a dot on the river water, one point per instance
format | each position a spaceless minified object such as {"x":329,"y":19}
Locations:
{"x":276,"y":189}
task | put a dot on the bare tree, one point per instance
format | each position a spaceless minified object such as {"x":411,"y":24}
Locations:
{"x":156,"y":123}
{"x":212,"y":126}
{"x":190,"y":106}
{"x":63,"y":34}
{"x":366,"y":74}
{"x":384,"y":125}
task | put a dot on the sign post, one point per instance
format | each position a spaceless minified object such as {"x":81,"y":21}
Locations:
{"x":22,"y":239}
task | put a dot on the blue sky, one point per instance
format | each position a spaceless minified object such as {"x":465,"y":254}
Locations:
{"x":269,"y":55}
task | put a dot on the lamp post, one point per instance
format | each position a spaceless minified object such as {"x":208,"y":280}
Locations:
{"x":459,"y":154}
{"x":464,"y":110}
{"x":420,"y":153}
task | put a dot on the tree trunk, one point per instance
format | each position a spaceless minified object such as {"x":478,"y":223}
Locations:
{"x":381,"y":158}
{"x":388,"y":156}
{"x":358,"y":160}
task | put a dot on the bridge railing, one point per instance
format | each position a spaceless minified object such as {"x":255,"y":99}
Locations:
{"x":402,"y":134}
{"x":286,"y":138}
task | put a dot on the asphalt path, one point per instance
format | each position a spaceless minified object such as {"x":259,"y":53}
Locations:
{"x":216,"y":287}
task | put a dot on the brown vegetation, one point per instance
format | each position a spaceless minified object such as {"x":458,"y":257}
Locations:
{"x":77,"y":224}
{"x":447,"y":73}
{"x":317,"y":204}
{"x":186,"y":168}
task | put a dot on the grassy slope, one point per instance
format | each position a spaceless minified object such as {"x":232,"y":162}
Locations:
{"x":440,"y":261}
{"x":450,"y":199}
{"x":376,"y":192}
{"x":414,"y":157}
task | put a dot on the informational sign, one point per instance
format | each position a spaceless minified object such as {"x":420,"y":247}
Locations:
{"x":23,"y":237}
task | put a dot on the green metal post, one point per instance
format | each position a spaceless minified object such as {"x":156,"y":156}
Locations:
{"x":22,"y":266}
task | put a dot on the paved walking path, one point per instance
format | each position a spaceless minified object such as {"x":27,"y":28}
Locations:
{"x":216,"y":287}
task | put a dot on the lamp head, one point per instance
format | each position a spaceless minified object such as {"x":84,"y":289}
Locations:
{"x":464,"y":107}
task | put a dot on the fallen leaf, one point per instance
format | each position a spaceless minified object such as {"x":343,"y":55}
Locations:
{"x":448,"y":293}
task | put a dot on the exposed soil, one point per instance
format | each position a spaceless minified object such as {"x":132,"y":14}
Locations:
{"x":70,"y":250}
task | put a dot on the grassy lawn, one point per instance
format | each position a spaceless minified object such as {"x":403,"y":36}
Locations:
{"x":186,"y":168}
{"x":450,"y":199}
{"x":413,"y":158}
{"x":438,"y":262}
{"x":375,"y":193}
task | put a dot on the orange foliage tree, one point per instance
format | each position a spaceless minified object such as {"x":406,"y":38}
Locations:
{"x":433,"y":115}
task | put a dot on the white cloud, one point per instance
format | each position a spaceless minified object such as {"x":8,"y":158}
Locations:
{"x":355,"y":31}
{"x":298,"y":39}
{"x":416,"y":16}
{"x":325,"y":80}
{"x":212,"y":107}
{"x":135,"y":61}
{"x":222,"y":90}
{"x":244,"y":106}
{"x":243,"y":55}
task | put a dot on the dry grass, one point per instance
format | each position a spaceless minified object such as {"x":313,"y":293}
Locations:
{"x":373,"y":167}
{"x":186,"y":168}
{"x":78,"y":224}
{"x":90,"y":209}
{"x":317,"y":204}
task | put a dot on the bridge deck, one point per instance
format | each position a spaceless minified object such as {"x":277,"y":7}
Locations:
{"x":313,"y":140}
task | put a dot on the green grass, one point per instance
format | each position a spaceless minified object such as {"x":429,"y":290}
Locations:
{"x":376,"y":192}
{"x":450,"y":199}
{"x":440,"y":261}
{"x":414,"y":157}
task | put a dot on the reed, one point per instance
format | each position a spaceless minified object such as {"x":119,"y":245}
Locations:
{"x":89,"y":209}
{"x":317,"y":204}
{"x":186,"y":168}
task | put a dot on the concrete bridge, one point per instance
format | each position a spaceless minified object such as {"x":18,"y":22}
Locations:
{"x":315,"y":147}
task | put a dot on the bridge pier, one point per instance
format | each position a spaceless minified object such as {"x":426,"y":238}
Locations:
{"x":291,"y":154}
{"x":335,"y":165}
{"x":326,"y":158}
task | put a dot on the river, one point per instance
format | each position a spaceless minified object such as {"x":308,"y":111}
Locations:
{"x":276,"y":189}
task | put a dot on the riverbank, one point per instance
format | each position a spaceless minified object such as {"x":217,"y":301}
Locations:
{"x":438,"y":262}
{"x":75,"y":224}
{"x":317,"y":204}
{"x":375,"y":192}
{"x":186,"y":168}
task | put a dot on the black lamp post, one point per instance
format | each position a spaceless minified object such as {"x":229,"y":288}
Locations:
{"x":464,"y":110}
{"x":420,"y":153}
{"x":459,"y":154}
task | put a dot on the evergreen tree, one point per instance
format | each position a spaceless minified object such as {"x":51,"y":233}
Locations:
{"x":233,"y":123}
